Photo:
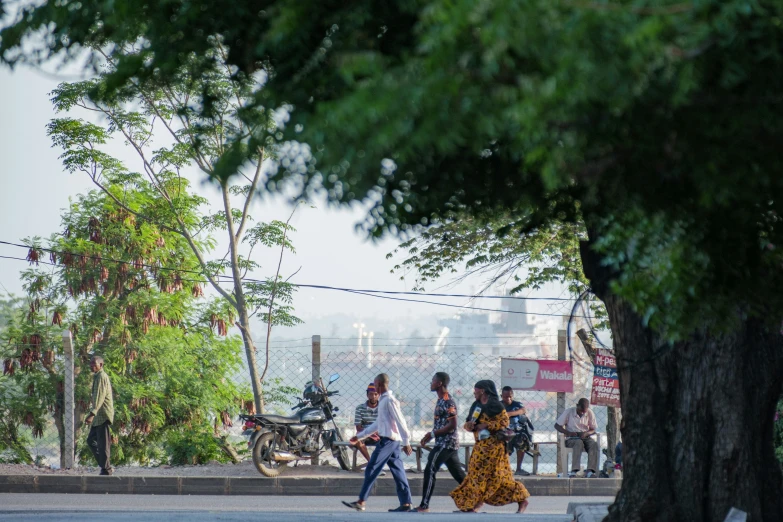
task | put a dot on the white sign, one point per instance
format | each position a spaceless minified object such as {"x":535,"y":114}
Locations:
{"x":520,"y":374}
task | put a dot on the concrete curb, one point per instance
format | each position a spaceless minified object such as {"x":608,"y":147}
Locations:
{"x":588,"y":511}
{"x":127,"y":485}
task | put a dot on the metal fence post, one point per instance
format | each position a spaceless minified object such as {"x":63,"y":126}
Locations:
{"x":561,"y":397}
{"x":316,"y":362}
{"x":68,"y":420}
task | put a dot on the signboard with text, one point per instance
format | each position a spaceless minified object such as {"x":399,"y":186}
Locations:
{"x":606,"y":387}
{"x":540,"y":375}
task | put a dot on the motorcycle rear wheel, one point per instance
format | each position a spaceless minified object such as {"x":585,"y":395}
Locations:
{"x":268,"y":468}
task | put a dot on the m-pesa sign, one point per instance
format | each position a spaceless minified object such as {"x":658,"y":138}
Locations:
{"x":606,"y":387}
{"x":542,"y":375}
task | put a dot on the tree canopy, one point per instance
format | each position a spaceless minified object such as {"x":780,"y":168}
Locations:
{"x":659,"y":133}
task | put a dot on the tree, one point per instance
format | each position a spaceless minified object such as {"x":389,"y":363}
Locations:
{"x":13,"y":442}
{"x":125,"y":289}
{"x":654,"y":124}
{"x":136,"y":115}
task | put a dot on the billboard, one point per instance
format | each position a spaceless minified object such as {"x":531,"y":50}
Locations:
{"x":606,"y":387}
{"x":538,"y":375}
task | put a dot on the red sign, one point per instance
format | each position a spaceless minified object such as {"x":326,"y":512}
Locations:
{"x":541,"y":375}
{"x":606,"y":387}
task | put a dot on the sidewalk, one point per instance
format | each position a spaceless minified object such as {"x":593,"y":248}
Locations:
{"x":349,"y":485}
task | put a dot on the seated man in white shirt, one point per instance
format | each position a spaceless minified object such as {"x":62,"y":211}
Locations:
{"x":578,"y":425}
{"x":393,"y":431}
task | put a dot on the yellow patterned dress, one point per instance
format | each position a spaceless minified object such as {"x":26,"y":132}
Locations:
{"x":489,"y":478}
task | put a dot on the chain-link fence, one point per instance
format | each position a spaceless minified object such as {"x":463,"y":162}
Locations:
{"x":410,"y":369}
{"x":411,"y":373}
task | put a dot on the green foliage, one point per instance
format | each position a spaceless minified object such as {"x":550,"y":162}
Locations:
{"x":429,"y":108}
{"x":143,"y":115}
{"x":465,"y":246}
{"x":196,"y":445}
{"x":123,"y":287}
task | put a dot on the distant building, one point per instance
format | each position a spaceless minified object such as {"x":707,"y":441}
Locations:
{"x":516,"y":332}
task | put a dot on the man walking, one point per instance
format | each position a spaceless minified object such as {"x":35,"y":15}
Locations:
{"x":578,"y":425}
{"x":393,"y":431}
{"x":446,"y":448}
{"x":100,"y":416}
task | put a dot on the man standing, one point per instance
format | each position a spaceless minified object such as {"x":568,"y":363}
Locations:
{"x":517,"y":416}
{"x":392,"y":429}
{"x":366,"y":413}
{"x":446,"y":449}
{"x":100,"y":416}
{"x":578,"y":425}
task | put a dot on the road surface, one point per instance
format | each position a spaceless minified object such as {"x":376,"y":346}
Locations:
{"x":127,"y":508}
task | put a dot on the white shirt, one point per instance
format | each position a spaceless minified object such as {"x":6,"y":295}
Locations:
{"x":571,"y":420}
{"x":390,"y":422}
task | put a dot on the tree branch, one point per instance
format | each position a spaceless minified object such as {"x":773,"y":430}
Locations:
{"x":249,"y":196}
{"x":274,"y":291}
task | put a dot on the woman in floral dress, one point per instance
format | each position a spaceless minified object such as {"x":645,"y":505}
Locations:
{"x":489,"y":479}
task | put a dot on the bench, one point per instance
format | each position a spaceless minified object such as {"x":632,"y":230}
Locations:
{"x":419,"y":451}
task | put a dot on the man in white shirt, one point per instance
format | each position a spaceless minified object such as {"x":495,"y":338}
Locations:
{"x":578,"y":425}
{"x":393,"y":431}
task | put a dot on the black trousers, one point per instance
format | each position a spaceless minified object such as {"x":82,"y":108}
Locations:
{"x":439,"y":456}
{"x":99,"y":442}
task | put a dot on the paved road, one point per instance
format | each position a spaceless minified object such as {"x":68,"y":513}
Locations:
{"x":121,"y":508}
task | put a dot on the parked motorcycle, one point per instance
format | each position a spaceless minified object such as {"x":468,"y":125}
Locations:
{"x":277,"y":440}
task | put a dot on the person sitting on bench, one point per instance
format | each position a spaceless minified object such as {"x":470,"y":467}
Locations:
{"x":578,"y":425}
{"x":365,"y":414}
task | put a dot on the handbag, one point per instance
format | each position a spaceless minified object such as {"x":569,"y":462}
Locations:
{"x":505,"y":435}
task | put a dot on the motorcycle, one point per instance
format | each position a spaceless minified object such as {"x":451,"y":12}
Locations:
{"x":276,"y":440}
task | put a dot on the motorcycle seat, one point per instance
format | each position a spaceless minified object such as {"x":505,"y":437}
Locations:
{"x":279,"y":419}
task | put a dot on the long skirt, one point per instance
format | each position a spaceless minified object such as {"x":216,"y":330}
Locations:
{"x":489,"y":479}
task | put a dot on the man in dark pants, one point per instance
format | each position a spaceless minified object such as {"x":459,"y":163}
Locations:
{"x":394,"y":435}
{"x":101,"y":416}
{"x":446,"y":449}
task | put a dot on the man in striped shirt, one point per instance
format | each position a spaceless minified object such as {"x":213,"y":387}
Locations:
{"x":366,"y":414}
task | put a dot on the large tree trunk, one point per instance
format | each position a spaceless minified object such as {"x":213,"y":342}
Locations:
{"x":697,"y":418}
{"x":250,"y":354}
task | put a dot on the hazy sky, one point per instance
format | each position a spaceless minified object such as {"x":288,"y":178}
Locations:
{"x":34,"y":188}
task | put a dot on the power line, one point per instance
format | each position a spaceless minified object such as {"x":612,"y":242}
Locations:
{"x":451,"y":305}
{"x":323,"y":287}
{"x":369,"y":293}
{"x":298,"y":285}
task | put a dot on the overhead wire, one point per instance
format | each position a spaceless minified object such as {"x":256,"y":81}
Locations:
{"x":369,"y":293}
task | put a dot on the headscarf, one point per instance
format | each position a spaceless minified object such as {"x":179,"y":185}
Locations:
{"x":493,"y":406}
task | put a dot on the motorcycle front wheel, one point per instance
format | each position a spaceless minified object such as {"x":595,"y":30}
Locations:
{"x":267,"y":467}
